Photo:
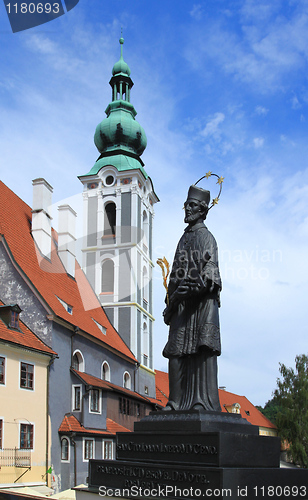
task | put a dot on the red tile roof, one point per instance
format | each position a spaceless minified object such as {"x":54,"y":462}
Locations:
{"x":103,"y":384}
{"x":23,"y":338}
{"x":71,"y":424}
{"x":254,"y":416}
{"x":49,"y":277}
{"x":162,"y":387}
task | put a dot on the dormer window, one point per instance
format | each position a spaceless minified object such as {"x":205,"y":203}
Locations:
{"x":10,"y":315}
{"x":66,"y":306}
{"x":14,"y":319}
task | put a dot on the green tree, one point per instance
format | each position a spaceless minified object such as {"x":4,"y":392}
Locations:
{"x":292,"y":417}
{"x":271,"y":409}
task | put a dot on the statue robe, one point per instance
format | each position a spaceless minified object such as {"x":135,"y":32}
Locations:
{"x":194,"y":335}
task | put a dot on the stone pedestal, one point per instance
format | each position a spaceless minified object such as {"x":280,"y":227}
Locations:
{"x":197,"y":454}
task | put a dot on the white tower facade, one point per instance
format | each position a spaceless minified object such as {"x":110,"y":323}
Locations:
{"x":118,"y":218}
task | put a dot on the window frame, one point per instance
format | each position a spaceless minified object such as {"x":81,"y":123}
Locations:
{"x":99,"y":406}
{"x":127,"y":379}
{"x":14,"y":321}
{"x":107,"y":373}
{"x":107,"y":277}
{"x":27,"y":425}
{"x":27,"y":387}
{"x":104,"y":443}
{"x":66,"y":460}
{"x":4,"y":370}
{"x":1,"y":432}
{"x":81,"y":363}
{"x":74,"y":387}
{"x":84,"y":441}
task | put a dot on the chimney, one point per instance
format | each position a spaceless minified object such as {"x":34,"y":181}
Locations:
{"x":41,"y":217}
{"x":66,"y":238}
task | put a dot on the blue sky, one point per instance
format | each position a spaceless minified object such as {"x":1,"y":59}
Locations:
{"x":220,"y":86}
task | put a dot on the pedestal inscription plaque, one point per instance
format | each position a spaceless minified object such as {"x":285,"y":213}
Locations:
{"x":216,"y":448}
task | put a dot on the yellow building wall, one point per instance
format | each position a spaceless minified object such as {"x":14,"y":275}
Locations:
{"x":266,"y":431}
{"x":23,"y":406}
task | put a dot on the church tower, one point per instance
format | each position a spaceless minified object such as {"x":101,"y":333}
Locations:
{"x":118,"y":213}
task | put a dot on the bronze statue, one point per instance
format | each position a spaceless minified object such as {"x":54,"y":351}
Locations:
{"x":192,"y":312}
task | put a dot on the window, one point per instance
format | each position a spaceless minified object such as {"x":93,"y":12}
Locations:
{"x":14,"y":319}
{"x":26,"y":376}
{"x":65,"y":449}
{"x":102,"y":328}
{"x":88,"y":450}
{"x":139,"y":410}
{"x":145,"y":345}
{"x":78,"y":361}
{"x":107,"y":450}
{"x":66,"y":306}
{"x":106,"y":371}
{"x":2,"y":370}
{"x":110,"y":219}
{"x":124,"y":406}
{"x":145,"y":227}
{"x":126,"y":380}
{"x":108,"y":277}
{"x":26,"y":436}
{"x":94,"y":401}
{"x":76,"y":398}
{"x":1,"y":433}
{"x":145,"y":288}
{"x":109,"y":180}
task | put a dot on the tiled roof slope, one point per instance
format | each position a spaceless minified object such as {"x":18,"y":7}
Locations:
{"x":254,"y":416}
{"x":162,"y":387}
{"x":71,"y":424}
{"x":23,"y":337}
{"x":49,"y":277}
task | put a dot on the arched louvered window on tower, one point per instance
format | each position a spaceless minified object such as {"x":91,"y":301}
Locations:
{"x":110,"y":220}
{"x":145,"y":227}
{"x":145,"y":345}
{"x":108,"y":277}
{"x":145,"y":288}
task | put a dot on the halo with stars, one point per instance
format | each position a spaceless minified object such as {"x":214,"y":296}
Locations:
{"x":220,"y":181}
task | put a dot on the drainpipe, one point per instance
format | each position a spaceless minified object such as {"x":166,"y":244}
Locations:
{"x":47,"y":415}
{"x":87,"y":390}
{"x":76,"y":330}
{"x":73,"y":434}
{"x":135,"y":373}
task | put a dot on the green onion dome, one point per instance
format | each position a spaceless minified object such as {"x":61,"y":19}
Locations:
{"x":120,"y":130}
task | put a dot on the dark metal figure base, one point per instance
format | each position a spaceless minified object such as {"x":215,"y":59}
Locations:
{"x":138,"y":480}
{"x":187,"y":455}
{"x":195,"y":421}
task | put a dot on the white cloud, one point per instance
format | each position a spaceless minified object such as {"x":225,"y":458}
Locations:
{"x":261,"y":110}
{"x":258,"y":142}
{"x":295,"y":103}
{"x":212,"y":127}
{"x":196,"y":12}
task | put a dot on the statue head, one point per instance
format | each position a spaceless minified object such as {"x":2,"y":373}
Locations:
{"x":197,"y":204}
